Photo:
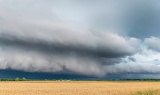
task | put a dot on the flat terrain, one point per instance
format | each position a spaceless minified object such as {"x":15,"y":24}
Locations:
{"x":76,"y":88}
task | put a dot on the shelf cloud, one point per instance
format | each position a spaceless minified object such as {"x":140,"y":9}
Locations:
{"x":61,"y":48}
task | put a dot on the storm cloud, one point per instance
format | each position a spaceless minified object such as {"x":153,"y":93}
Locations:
{"x":63,"y":37}
{"x":61,"y":49}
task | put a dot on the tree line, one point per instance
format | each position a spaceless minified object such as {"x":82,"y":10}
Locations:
{"x":25,"y":79}
{"x":12,"y":79}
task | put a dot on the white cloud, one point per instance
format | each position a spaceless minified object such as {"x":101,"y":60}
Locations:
{"x":153,"y":43}
{"x":146,"y":61}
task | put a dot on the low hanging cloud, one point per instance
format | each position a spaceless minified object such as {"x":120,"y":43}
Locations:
{"x":60,"y":48}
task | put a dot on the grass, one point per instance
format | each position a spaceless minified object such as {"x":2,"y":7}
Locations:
{"x":148,"y":92}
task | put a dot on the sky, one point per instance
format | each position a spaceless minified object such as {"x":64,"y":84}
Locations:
{"x":90,"y":38}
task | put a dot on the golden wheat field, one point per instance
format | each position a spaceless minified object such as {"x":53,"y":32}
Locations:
{"x":76,"y":88}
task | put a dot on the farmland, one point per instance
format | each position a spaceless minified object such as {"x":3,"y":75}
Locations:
{"x":78,"y":88}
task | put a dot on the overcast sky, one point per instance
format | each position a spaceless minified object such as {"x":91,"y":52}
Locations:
{"x":81,"y":37}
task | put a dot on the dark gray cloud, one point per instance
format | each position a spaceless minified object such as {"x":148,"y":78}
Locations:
{"x":98,"y":49}
{"x":62,"y":49}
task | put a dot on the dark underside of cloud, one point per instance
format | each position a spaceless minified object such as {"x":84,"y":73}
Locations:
{"x":41,"y":75}
{"x":102,"y":39}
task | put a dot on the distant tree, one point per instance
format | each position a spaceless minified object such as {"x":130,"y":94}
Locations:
{"x":17,"y":79}
{"x":23,"y":79}
{"x":60,"y":79}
